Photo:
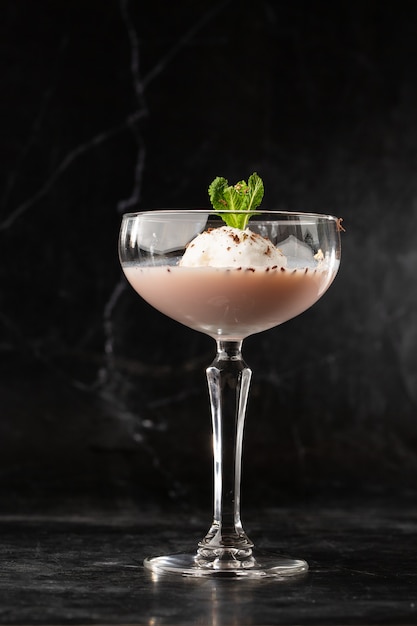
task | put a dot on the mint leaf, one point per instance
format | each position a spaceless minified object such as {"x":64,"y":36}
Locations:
{"x":240,"y":197}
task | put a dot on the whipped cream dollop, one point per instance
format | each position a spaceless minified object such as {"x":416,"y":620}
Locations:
{"x":232,"y":247}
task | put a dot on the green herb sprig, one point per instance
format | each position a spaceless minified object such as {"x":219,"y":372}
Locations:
{"x":244,"y":196}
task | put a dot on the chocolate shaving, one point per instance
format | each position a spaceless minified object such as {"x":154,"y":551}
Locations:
{"x":339,"y":226}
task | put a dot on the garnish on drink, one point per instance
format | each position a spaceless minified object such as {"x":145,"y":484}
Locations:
{"x":233,"y":245}
{"x":244,"y":196}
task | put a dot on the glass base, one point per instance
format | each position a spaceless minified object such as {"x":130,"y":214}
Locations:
{"x":227,"y":565}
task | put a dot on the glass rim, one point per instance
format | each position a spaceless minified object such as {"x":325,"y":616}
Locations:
{"x":214,"y":213}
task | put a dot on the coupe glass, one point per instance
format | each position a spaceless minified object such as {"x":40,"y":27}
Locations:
{"x":228,"y":304}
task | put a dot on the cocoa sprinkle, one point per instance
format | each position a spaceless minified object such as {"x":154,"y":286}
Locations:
{"x":339,"y":225}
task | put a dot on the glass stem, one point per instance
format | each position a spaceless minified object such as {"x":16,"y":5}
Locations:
{"x":228,"y":382}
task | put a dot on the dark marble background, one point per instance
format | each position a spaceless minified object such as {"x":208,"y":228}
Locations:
{"x":127,"y":105}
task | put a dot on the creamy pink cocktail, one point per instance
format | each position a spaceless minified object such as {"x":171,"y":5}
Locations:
{"x":221,"y":276}
{"x":230,"y":303}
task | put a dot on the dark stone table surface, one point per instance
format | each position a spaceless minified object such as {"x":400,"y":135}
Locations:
{"x":63,"y":567}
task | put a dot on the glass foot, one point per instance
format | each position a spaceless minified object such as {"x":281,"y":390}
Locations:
{"x":227,"y":564}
